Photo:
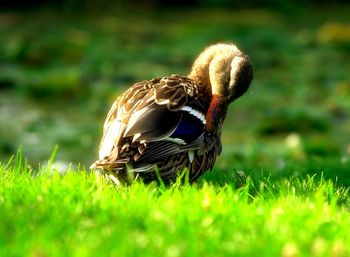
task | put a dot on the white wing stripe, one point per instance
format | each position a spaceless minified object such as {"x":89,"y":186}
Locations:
{"x":195,"y":113}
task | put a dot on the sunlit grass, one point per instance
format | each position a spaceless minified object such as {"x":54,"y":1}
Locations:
{"x":45,"y":213}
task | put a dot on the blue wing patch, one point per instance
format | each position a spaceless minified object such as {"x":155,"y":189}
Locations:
{"x":189,"y":128}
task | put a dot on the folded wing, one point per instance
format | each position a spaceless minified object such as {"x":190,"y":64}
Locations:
{"x":152,"y":121}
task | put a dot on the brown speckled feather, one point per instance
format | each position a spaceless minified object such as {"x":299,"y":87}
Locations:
{"x":143,"y":142}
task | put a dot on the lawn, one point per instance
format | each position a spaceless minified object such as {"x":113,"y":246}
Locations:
{"x":45,"y":213}
{"x":280,"y":186}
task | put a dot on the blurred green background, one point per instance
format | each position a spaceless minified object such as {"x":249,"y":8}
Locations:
{"x":63,"y":63}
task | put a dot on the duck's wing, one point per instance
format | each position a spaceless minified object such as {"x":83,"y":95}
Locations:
{"x":151,"y":121}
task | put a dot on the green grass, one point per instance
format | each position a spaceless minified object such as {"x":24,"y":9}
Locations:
{"x":45,"y":213}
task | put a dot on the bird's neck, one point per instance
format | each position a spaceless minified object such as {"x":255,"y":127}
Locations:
{"x":217,"y":105}
{"x":200,"y":70}
{"x":200,"y":74}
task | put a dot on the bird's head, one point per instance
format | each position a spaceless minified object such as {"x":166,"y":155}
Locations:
{"x":226,"y":72}
{"x":230,"y":74}
{"x":225,"y":69}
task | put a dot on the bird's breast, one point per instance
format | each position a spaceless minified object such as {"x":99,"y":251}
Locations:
{"x":215,"y":111}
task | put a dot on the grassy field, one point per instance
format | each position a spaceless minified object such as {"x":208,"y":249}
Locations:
{"x":280,"y":186}
{"x":45,"y":213}
{"x":61,"y":72}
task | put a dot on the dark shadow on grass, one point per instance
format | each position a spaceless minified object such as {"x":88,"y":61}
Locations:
{"x":327,"y":168}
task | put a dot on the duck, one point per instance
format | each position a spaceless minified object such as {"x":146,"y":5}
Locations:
{"x":158,"y":128}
